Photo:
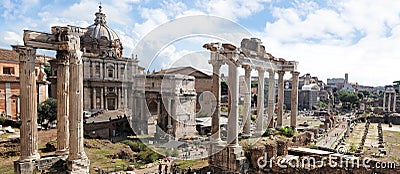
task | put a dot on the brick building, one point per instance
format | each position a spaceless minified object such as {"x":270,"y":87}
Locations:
{"x":9,"y":82}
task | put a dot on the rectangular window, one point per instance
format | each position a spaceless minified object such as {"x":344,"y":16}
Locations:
{"x":97,"y":70}
{"x":110,"y":73}
{"x":8,"y":70}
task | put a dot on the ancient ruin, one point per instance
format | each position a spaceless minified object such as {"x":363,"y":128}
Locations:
{"x":389,"y":100}
{"x":251,"y":55}
{"x":66,"y":41}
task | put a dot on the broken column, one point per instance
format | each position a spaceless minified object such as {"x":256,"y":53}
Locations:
{"x":280,"y":98}
{"x":62,"y":102}
{"x":271,"y":97}
{"x":28,"y":104}
{"x":77,"y":160}
{"x":247,"y":100}
{"x":294,"y":99}
{"x":260,"y":101}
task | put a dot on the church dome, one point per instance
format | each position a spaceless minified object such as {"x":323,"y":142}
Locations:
{"x":100,"y":39}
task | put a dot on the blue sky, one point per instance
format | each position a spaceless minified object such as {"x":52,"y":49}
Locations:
{"x":328,"y":38}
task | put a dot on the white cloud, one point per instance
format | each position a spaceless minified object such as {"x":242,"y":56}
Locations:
{"x":231,"y":9}
{"x":360,"y":38}
{"x":12,"y":38}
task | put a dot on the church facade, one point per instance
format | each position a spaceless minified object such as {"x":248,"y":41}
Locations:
{"x":109,"y":78}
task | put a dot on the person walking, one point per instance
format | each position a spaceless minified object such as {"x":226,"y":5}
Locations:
{"x":160,"y":169}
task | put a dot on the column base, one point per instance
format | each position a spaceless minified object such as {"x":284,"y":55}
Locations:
{"x":22,"y":167}
{"x":235,"y":149}
{"x":63,"y":152}
{"x":78,"y":166}
{"x":245,"y":136}
{"x":30,"y":158}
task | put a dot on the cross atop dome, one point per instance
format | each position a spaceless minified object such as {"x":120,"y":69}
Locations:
{"x":100,"y":7}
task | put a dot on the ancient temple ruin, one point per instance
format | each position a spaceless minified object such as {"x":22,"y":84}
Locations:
{"x":66,"y":42}
{"x":251,"y":55}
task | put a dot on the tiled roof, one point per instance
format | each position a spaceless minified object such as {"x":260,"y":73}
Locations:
{"x":10,"y":55}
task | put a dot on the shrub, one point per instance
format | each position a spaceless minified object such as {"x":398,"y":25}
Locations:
{"x":286,"y":131}
{"x":313,"y":146}
{"x":352,"y":148}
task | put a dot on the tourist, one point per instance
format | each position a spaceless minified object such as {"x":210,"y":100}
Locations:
{"x":160,"y":169}
{"x":166,"y":169}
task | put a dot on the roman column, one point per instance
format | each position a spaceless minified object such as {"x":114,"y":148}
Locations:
{"x":28,"y":95}
{"x":247,"y":100}
{"x":295,"y":99}
{"x":101,"y":98}
{"x":271,"y":97}
{"x":62,"y":102}
{"x":394,"y":102}
{"x":260,"y":101}
{"x":216,"y":62}
{"x":280,"y":98}
{"x":384,"y":101}
{"x":76,"y":150}
{"x":389,"y":102}
{"x":94,"y":99}
{"x":233,"y":81}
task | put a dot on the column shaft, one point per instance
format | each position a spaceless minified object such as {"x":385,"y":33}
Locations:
{"x":394,"y":102}
{"x":76,"y":150}
{"x":389,"y":102}
{"x":295,"y":99}
{"x":216,"y":82}
{"x":384,"y":101}
{"x":62,"y":102}
{"x":260,"y":102}
{"x":247,"y":101}
{"x":28,"y":95}
{"x":94,"y":99}
{"x":102,"y":98}
{"x":280,"y":98}
{"x":271,"y":98}
{"x":232,"y":138}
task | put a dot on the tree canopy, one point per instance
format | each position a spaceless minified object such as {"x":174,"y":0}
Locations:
{"x":47,"y":110}
{"x":348,"y":99}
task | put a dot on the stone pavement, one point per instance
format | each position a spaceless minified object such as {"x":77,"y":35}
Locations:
{"x":330,"y":137}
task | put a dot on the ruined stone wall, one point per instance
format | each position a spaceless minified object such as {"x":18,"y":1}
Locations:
{"x":302,"y":139}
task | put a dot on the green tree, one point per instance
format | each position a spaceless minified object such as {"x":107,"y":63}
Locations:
{"x":348,"y":99}
{"x":47,"y":110}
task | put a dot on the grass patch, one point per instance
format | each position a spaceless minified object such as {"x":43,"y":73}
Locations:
{"x":194,"y":164}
